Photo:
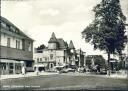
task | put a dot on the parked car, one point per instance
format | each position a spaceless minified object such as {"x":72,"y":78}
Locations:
{"x":63,"y":71}
{"x":103,"y":71}
{"x":81,"y":70}
{"x":87,"y":70}
{"x":70,"y":70}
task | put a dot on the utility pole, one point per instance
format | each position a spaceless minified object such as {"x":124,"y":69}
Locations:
{"x":80,"y":58}
{"x":84,"y":59}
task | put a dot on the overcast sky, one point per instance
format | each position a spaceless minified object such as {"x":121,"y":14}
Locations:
{"x":67,"y":18}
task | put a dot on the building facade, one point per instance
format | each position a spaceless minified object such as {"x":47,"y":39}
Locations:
{"x":57,"y":54}
{"x":16,"y":48}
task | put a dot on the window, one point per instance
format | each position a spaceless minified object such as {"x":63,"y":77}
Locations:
{"x":37,"y":60}
{"x":2,"y":66}
{"x":17,"y":44}
{"x":51,"y":56}
{"x":12,"y":29}
{"x":11,"y":65}
{"x":29,"y":46}
{"x":23,"y":44}
{"x":3,"y":24}
{"x":45,"y":59}
{"x":40,"y":59}
{"x":8,"y":42}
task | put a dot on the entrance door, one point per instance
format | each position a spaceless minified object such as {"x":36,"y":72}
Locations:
{"x":11,"y":68}
{"x":51,"y":65}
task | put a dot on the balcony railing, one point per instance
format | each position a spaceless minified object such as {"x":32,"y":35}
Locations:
{"x":12,"y":53}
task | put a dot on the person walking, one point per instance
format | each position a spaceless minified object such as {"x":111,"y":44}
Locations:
{"x":37,"y":71}
{"x":23,"y":70}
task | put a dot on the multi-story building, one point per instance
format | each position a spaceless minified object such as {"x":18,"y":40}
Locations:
{"x":58,"y":53}
{"x":16,"y":48}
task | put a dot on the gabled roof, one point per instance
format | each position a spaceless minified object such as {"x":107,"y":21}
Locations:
{"x":71,"y":45}
{"x":20,"y":33}
{"x":62,"y":43}
{"x":53,"y":39}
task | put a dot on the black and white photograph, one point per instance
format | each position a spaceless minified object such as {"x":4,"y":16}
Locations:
{"x":63,"y":45}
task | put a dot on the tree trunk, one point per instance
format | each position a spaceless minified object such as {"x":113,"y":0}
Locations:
{"x":108,"y":73}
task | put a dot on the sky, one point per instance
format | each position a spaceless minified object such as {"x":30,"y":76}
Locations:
{"x":66,"y":18}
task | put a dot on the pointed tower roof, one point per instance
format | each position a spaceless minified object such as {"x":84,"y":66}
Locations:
{"x":53,"y":39}
{"x":71,"y":45}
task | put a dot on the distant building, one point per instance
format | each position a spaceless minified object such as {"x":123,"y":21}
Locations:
{"x":81,"y":57}
{"x":58,"y":53}
{"x":16,"y":48}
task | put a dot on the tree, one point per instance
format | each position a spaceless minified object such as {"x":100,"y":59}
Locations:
{"x":41,"y":47}
{"x":106,"y":32}
{"x":98,"y":60}
{"x":88,"y":61}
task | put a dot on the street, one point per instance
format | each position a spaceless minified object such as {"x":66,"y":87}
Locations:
{"x":69,"y":81}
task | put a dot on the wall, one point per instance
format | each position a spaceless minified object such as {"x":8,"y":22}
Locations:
{"x":58,"y":56}
{"x":12,"y":39}
{"x":52,"y":46}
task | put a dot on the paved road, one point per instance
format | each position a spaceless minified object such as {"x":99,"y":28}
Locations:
{"x":65,"y":82}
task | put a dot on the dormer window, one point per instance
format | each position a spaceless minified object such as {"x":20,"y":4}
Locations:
{"x":12,"y":29}
{"x":16,"y":31}
{"x":3,"y":24}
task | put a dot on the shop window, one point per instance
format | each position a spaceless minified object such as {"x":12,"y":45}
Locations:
{"x":11,"y":68}
{"x":11,"y":65}
{"x":18,"y":66}
{"x":3,"y":66}
{"x":29,"y":64}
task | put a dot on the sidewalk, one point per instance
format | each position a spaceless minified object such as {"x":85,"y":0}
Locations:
{"x":114,"y":76}
{"x":119,"y":76}
{"x":29,"y":74}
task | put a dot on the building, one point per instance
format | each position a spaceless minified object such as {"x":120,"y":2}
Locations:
{"x":16,"y":48}
{"x":58,"y":53}
{"x":81,"y":58}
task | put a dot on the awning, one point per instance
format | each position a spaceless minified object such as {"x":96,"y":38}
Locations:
{"x":39,"y":65}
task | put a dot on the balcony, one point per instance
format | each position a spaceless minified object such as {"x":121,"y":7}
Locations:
{"x":12,"y":53}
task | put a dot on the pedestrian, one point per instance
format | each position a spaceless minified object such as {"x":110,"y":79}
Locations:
{"x":37,"y":71}
{"x":23,"y":70}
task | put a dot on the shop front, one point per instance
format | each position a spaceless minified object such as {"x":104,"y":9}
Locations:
{"x":10,"y":67}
